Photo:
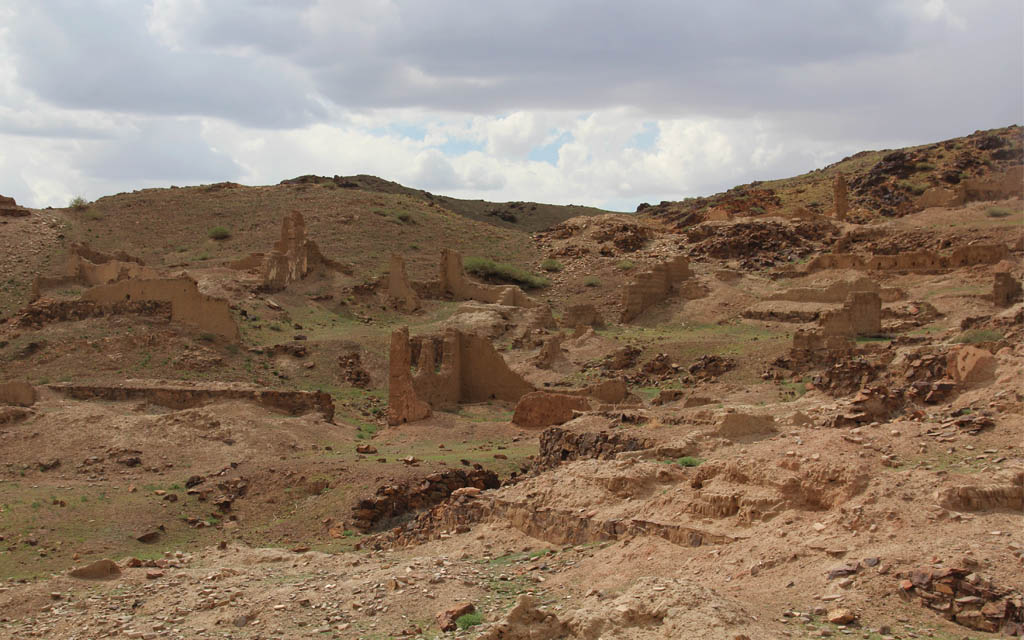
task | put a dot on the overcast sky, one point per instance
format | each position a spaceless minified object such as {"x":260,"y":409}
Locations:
{"x":565,"y":101}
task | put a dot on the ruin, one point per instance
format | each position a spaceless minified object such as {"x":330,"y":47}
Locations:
{"x":543,"y":409}
{"x":179,"y":396}
{"x":651,"y":287}
{"x":1009,"y":184}
{"x":10,"y":208}
{"x":87,"y":267}
{"x":17,"y":393}
{"x":293,"y":257}
{"x":452,"y":368}
{"x":188,"y":305}
{"x":838,"y":292}
{"x":399,"y":288}
{"x":911,"y":261}
{"x":451,"y":283}
{"x":840,"y":197}
{"x":581,"y":315}
{"x":1006,"y":289}
{"x":861,"y":315}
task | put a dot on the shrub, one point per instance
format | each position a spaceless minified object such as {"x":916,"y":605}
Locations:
{"x":998,"y":212}
{"x":625,"y":265}
{"x":978,"y":335}
{"x":219,"y":233}
{"x":592,"y":281}
{"x":688,"y":461}
{"x":498,"y":271}
{"x":469,"y":620}
{"x":551,"y":265}
{"x":78,"y":203}
{"x":404,"y":217}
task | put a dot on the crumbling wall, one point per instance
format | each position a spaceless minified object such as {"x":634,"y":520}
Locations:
{"x":10,"y":208}
{"x":39,"y":314}
{"x":651,"y":287}
{"x":861,"y":315}
{"x":394,"y":500}
{"x":1005,"y":290}
{"x":838,"y":292}
{"x":458,"y":367}
{"x":399,"y":288}
{"x":182,"y":397}
{"x":88,"y":267}
{"x":292,"y":258}
{"x":582,"y":315}
{"x":1009,"y":184}
{"x":17,"y":393}
{"x":912,"y":261}
{"x":188,"y":305}
{"x":453,"y":282}
{"x":840,"y":197}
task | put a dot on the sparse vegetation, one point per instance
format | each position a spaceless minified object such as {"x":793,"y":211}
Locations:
{"x":78,"y":203}
{"x":688,"y":461}
{"x":592,"y":281}
{"x":974,"y":336}
{"x":625,"y":265}
{"x":219,"y":233}
{"x":501,"y":272}
{"x":469,"y":620}
{"x":998,"y":212}
{"x":551,"y":265}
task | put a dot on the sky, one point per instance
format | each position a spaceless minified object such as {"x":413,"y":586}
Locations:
{"x":606,"y":104}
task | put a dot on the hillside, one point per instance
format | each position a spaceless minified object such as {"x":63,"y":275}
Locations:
{"x":344,"y":408}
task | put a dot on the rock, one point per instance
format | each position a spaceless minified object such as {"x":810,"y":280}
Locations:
{"x":149,"y":536}
{"x":970,"y":365}
{"x":446,"y":619}
{"x":841,"y":616}
{"x":153,"y":574}
{"x":366,"y":448}
{"x":543,"y":409}
{"x":99,"y":570}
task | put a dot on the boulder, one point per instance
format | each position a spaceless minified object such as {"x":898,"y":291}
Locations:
{"x":99,"y":570}
{"x":446,"y":619}
{"x":970,"y":365}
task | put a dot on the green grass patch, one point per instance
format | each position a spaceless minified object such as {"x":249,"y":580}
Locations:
{"x":551,"y":265}
{"x":592,"y":281}
{"x":503,"y":272}
{"x":218,"y":233}
{"x":625,"y":265}
{"x":974,"y":336}
{"x":469,"y":620}
{"x":999,"y":212}
{"x":688,"y":461}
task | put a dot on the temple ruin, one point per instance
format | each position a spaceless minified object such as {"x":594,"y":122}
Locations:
{"x":912,"y":261}
{"x":293,"y":257}
{"x":439,"y":372}
{"x":451,"y":283}
{"x":87,"y":267}
{"x":1006,"y":289}
{"x":840,"y":197}
{"x":651,"y":287}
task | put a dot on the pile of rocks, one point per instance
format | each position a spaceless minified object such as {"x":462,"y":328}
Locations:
{"x":560,"y":445}
{"x":392,"y":500}
{"x":966,"y":598}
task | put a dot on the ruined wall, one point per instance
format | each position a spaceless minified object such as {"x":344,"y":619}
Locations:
{"x":292,"y":258}
{"x":17,"y":393}
{"x":398,"y":287}
{"x":1009,"y":184}
{"x":582,"y":315}
{"x":651,"y":287}
{"x":459,"y":367}
{"x":861,"y":315}
{"x":453,"y":282}
{"x":8,"y":207}
{"x":394,"y":500}
{"x":912,"y":261}
{"x":188,"y":305}
{"x":39,"y":314}
{"x":175,"y":397}
{"x":838,"y":292}
{"x":1005,"y":290}
{"x":87,"y":267}
{"x":840,"y":197}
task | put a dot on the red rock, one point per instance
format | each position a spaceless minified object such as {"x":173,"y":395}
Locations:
{"x":446,"y":619}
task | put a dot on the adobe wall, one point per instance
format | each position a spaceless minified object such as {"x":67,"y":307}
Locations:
{"x":581,"y":315}
{"x":1005,"y":289}
{"x":1009,"y":184}
{"x":188,"y":305}
{"x":17,"y":393}
{"x":453,"y":282}
{"x":398,"y":287}
{"x":87,"y":267}
{"x":911,"y":261}
{"x":458,"y":367}
{"x":839,"y":197}
{"x":861,"y":315}
{"x":8,"y":207}
{"x":292,"y":258}
{"x":838,"y":292}
{"x":39,"y":314}
{"x":174,"y":397}
{"x":651,"y":287}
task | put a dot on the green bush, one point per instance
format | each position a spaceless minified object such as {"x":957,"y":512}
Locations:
{"x":975,"y":336}
{"x":551,"y":265}
{"x":469,"y":620}
{"x":219,"y":233}
{"x":688,"y":461}
{"x":998,"y":212}
{"x":498,"y":271}
{"x":625,"y":265}
{"x":78,"y":203}
{"x":592,"y":281}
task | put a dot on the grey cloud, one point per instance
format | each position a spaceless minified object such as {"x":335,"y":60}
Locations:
{"x":163,"y":150}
